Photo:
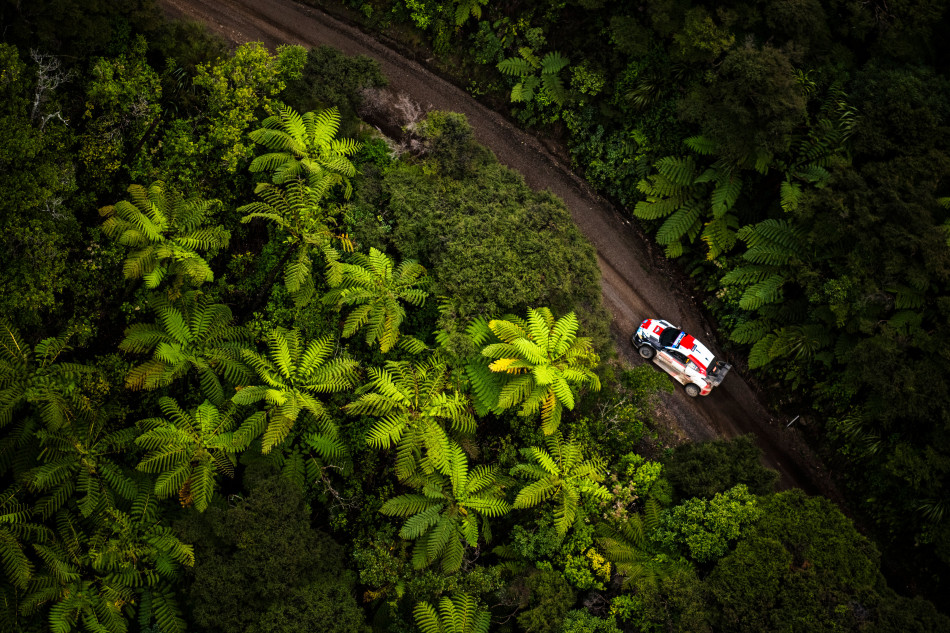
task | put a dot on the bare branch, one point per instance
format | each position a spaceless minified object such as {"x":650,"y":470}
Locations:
{"x":49,"y":77}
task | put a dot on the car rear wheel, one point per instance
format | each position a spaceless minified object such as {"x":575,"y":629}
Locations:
{"x":647,"y":352}
{"x":692,"y":390}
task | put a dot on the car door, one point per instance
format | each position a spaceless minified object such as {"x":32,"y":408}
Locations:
{"x":674,"y":363}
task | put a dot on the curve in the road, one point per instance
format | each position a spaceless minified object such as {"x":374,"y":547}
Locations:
{"x":636,"y":284}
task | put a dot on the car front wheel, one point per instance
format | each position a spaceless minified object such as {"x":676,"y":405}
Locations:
{"x":647,"y":352}
{"x":692,"y":390}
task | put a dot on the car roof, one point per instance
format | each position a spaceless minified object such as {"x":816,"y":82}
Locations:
{"x":688,"y":345}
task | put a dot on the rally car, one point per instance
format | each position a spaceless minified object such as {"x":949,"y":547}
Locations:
{"x":683,"y":357}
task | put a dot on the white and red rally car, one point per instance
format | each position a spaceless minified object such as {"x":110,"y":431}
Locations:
{"x":683,"y":357}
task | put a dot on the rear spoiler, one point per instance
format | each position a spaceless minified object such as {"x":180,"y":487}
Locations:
{"x":717,"y":371}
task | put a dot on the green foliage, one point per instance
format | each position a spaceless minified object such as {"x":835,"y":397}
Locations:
{"x":549,"y":600}
{"x":305,"y":147}
{"x":547,"y":82}
{"x":34,"y":377}
{"x":331,"y":78}
{"x":707,"y":468}
{"x":35,"y":180}
{"x":560,"y":473}
{"x":819,"y":163}
{"x":581,"y":621}
{"x":802,"y":562}
{"x":542,"y":361}
{"x":235,"y":89}
{"x":288,"y":378}
{"x":262,"y":567}
{"x":450,"y":142}
{"x":455,"y":615}
{"x":705,"y":529}
{"x":123,"y":105}
{"x":752,"y":106}
{"x":415,"y":410}
{"x":188,"y":450}
{"x":376,"y":286}
{"x":451,"y":512}
{"x":166,"y":232}
{"x":674,"y":600}
{"x":493,"y":246}
{"x":701,"y":39}
{"x":192,"y":335}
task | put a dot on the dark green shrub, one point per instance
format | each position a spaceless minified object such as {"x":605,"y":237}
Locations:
{"x":331,"y":78}
{"x":804,"y":567}
{"x":705,"y":468}
{"x":450,"y":143}
{"x":551,"y":597}
{"x":261,"y":567}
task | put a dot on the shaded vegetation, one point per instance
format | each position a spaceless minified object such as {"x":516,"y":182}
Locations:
{"x":792,"y":157}
{"x":192,"y":438}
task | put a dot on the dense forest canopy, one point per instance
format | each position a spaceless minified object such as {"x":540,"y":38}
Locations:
{"x":262,"y":369}
{"x":792,"y":157}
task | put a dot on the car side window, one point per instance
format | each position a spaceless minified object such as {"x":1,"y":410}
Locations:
{"x":677,"y":356}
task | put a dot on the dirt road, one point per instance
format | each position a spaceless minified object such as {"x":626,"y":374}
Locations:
{"x":637,"y":283}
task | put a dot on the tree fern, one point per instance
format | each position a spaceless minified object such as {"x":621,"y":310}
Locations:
{"x":297,"y":210}
{"x":769,"y":290}
{"x":799,"y":341}
{"x":459,"y":614}
{"x":16,"y":532}
{"x":540,"y":361}
{"x":96,"y":573}
{"x":790,"y":195}
{"x":702,"y":145}
{"x":289,"y":376}
{"x":468,"y":8}
{"x":720,"y":235}
{"x":79,"y":463}
{"x":165,"y":234}
{"x":750,"y":331}
{"x":377,"y":287}
{"x":772,"y":242}
{"x":193,"y":335}
{"x":195,"y":445}
{"x":691,"y":200}
{"x":452,"y":512}
{"x":37,"y":378}
{"x":536,"y":73}
{"x":624,"y":544}
{"x":685,"y":222}
{"x":305,"y":147}
{"x":761,"y":352}
{"x":415,"y":412}
{"x":562,"y":474}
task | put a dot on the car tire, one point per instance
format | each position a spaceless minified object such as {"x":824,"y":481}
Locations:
{"x":647,"y":352}
{"x":692,"y":390}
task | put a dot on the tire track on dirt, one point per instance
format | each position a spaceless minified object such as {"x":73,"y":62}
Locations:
{"x":637,"y":283}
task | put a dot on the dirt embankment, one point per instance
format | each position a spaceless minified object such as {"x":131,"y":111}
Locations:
{"x":637,"y":282}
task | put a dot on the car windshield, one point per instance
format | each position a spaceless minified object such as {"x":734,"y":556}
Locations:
{"x":668,"y":336}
